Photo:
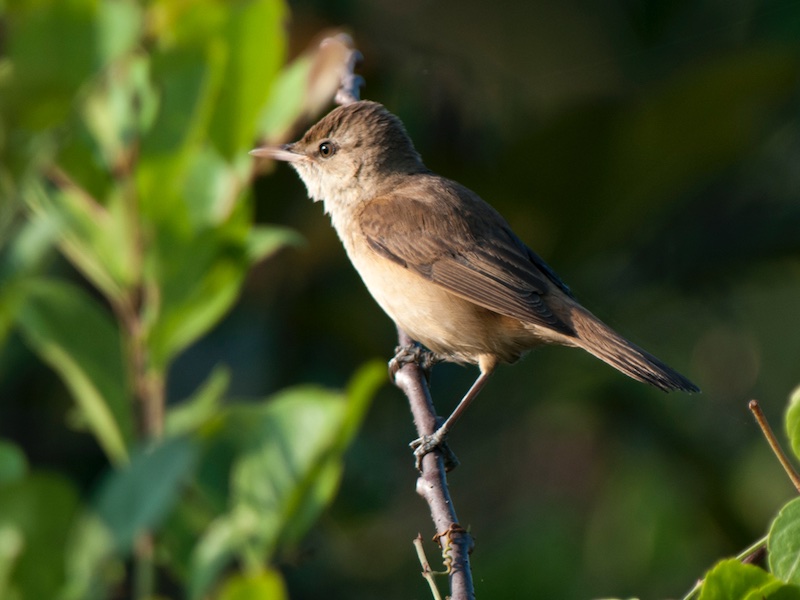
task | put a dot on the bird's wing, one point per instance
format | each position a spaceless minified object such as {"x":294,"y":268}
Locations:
{"x":465,"y":246}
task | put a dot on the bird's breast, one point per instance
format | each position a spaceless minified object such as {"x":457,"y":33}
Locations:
{"x":452,"y":327}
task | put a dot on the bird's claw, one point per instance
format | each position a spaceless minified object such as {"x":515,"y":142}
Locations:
{"x":412,"y":353}
{"x":428,"y":443}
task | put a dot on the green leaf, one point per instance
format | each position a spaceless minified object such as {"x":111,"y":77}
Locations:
{"x":792,"y":421}
{"x":360,"y":390}
{"x":137,"y":497}
{"x":285,"y":105}
{"x":213,"y":187}
{"x":216,"y":548}
{"x":293,"y":464}
{"x":41,"y":91}
{"x":119,"y":29}
{"x":13,"y":464}
{"x":96,"y":239}
{"x":36,"y":515}
{"x":732,"y":580}
{"x":186,"y":81}
{"x":256,"y":40}
{"x":775,"y":591}
{"x":202,"y":406}
{"x":285,"y":458}
{"x":266,"y":240}
{"x":91,"y":566}
{"x":75,"y":336}
{"x":12,"y":542}
{"x":284,"y":469}
{"x":199,"y":278}
{"x":119,"y":108}
{"x":265,"y":585}
{"x":303,"y":88}
{"x":783,"y":543}
{"x":27,"y":249}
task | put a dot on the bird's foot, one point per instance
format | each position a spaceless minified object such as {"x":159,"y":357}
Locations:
{"x":428,"y":443}
{"x":412,"y":353}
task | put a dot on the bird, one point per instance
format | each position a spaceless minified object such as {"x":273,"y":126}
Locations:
{"x":443,"y":264}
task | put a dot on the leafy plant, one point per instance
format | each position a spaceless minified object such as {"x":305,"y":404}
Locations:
{"x":733,"y":578}
{"x":128,"y":154}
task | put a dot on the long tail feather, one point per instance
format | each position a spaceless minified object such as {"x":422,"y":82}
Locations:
{"x":596,"y":337}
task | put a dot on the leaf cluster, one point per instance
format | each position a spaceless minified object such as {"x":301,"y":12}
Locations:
{"x":125,"y":128}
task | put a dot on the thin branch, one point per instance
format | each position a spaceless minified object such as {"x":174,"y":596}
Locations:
{"x":455,"y":542}
{"x":773,"y":443}
{"x":427,"y":573}
{"x":350,"y":87}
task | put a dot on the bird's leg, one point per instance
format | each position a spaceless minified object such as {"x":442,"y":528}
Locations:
{"x":427,"y":443}
{"x":415,"y":353}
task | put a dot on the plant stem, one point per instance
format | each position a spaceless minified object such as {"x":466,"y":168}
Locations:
{"x":773,"y":442}
{"x":147,"y":381}
{"x":427,"y":573}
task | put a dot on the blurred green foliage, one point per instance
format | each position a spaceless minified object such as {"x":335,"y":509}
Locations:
{"x":124,"y":135}
{"x":647,"y":150}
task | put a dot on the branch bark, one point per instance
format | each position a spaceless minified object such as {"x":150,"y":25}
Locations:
{"x":455,"y":542}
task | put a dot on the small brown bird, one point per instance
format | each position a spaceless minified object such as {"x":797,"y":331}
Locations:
{"x":442,"y":263}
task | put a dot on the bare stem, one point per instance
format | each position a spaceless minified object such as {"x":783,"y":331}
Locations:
{"x":427,"y":573}
{"x":773,"y":443}
{"x":455,"y":542}
{"x":350,"y":87}
{"x":146,"y":380}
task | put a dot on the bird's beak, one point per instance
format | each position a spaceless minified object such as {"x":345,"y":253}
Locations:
{"x":285,"y":153}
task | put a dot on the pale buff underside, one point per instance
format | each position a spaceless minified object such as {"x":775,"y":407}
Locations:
{"x":450,"y":326}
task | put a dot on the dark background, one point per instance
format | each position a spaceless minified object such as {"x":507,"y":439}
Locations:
{"x":649,"y":152}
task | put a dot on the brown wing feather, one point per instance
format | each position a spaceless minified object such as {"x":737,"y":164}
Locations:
{"x":462,"y":244}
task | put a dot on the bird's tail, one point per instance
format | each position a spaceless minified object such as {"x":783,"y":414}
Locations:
{"x":596,"y":337}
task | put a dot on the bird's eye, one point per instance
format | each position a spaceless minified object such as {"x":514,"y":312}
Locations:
{"x":326,"y":149}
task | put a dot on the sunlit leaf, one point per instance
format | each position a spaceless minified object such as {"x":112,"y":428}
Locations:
{"x":293,"y":464}
{"x":792,"y":421}
{"x":186,"y":82}
{"x":91,"y":566}
{"x":119,"y":28}
{"x":285,"y":458}
{"x":263,"y":241}
{"x":783,"y":543}
{"x":119,"y":108}
{"x":359,"y":393}
{"x":213,"y":187}
{"x":266,"y":585}
{"x":139,"y":495}
{"x":12,"y":542}
{"x":96,"y":239}
{"x":76,"y":337}
{"x":775,"y":591}
{"x":218,"y":546}
{"x":256,"y":41}
{"x":284,"y":469}
{"x":285,"y":106}
{"x":732,"y":580}
{"x":205,"y":403}
{"x":303,"y":88}
{"x":26,"y":252}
